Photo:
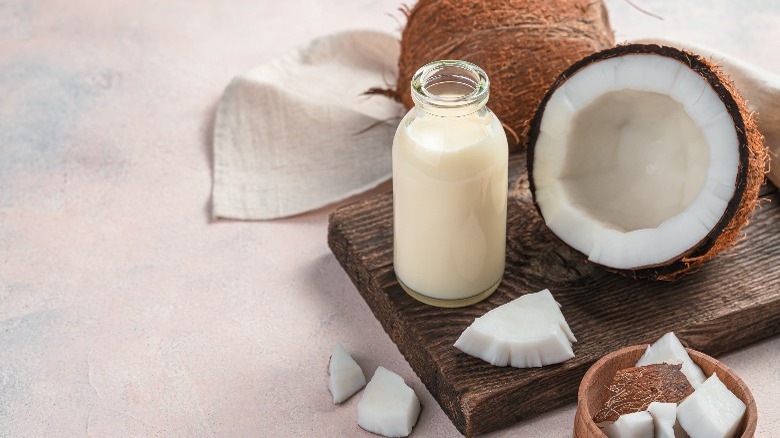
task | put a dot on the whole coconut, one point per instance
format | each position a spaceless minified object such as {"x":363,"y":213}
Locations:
{"x":521,"y":44}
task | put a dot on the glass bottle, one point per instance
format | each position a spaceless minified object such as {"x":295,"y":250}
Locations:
{"x":450,"y":159}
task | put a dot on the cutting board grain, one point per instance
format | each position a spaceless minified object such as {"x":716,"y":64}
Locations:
{"x":731,"y":302}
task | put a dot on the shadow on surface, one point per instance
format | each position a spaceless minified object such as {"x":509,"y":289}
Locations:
{"x":207,"y":143}
{"x":347,"y":318}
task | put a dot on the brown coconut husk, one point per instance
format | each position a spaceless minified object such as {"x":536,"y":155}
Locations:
{"x":633,"y":389}
{"x":753,"y":159}
{"x":753,"y":167}
{"x":522,"y":45}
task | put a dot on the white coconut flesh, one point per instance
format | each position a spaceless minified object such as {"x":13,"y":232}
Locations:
{"x":636,"y":160}
{"x":529,"y":331}
{"x":346,"y":376}
{"x":668,"y":349}
{"x":664,"y":416}
{"x":635,"y":425}
{"x":712,"y":411}
{"x":388,"y":406}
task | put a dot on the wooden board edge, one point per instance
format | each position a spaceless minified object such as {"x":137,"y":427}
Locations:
{"x":483,"y":419}
{"x":700,"y":336}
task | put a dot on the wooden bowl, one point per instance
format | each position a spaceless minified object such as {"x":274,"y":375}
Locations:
{"x":593,"y":388}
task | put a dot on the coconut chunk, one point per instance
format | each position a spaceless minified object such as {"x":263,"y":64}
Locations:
{"x":712,"y":411}
{"x":668,"y":349}
{"x":527,"y":332}
{"x":346,"y":377}
{"x":635,"y":425}
{"x":388,"y":406}
{"x":664,"y":417}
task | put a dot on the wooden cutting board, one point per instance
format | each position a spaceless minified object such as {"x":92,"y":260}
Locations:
{"x":729,"y":303}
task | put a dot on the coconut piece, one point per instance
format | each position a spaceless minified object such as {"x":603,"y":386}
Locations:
{"x":664,"y":417}
{"x":668,"y":349}
{"x":494,"y":35}
{"x":633,"y":389}
{"x":388,"y":406}
{"x":645,"y":159}
{"x":634,"y":425}
{"x":529,"y":331}
{"x":346,"y":377}
{"x":712,"y":411}
{"x":679,"y":432}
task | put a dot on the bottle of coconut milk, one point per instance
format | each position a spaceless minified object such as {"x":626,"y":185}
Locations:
{"x":450,"y":160}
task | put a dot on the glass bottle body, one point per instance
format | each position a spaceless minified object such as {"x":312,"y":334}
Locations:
{"x":450,"y":173}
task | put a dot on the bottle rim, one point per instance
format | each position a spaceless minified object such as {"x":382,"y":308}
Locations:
{"x":462,"y":74}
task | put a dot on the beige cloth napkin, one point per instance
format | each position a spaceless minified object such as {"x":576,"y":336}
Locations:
{"x":297,"y":133}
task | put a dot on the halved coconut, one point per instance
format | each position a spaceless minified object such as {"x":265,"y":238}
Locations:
{"x":645,"y":159}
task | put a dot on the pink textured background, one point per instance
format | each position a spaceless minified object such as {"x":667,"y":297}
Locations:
{"x":123,"y":310}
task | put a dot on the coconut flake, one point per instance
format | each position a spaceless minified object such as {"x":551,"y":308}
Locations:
{"x":635,"y":425}
{"x":529,"y":331}
{"x":712,"y":411}
{"x":668,"y":349}
{"x":664,"y":417}
{"x":346,"y":377}
{"x":388,"y":406}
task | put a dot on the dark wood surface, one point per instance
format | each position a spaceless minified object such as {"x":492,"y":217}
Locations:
{"x":731,"y":302}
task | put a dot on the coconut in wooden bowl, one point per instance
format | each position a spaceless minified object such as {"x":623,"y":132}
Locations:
{"x":593,"y":392}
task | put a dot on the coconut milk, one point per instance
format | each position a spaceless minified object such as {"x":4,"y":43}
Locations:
{"x":449,"y":191}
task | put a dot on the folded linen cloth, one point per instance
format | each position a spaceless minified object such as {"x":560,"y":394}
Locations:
{"x":297,"y":133}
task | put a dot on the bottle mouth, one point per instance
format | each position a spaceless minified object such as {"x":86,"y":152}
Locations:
{"x":453,"y":86}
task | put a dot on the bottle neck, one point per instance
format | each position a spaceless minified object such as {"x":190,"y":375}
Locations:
{"x":450,"y":88}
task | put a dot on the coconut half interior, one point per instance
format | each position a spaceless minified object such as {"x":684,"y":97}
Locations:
{"x":636,"y":160}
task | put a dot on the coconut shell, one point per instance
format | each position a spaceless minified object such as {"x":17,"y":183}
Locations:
{"x":753,"y":158}
{"x":521,"y":45}
{"x":633,"y":389}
